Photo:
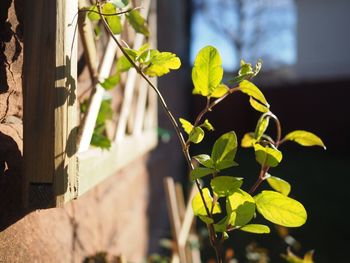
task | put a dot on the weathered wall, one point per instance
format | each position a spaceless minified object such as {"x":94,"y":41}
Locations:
{"x":111,"y":217}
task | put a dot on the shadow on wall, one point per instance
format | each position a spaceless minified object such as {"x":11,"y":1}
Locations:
{"x":11,"y":182}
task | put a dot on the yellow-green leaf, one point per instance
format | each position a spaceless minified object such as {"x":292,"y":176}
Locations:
{"x":224,"y":150}
{"x":200,"y":172}
{"x":280,"y":209}
{"x":207,"y":71}
{"x":204,"y":160}
{"x":123,"y":64}
{"x":258,"y":106}
{"x":240,"y":207}
{"x":256,"y":229}
{"x":161,"y":63}
{"x":292,"y":258}
{"x":219,"y":91}
{"x":208,"y":125}
{"x":248,"y":140}
{"x":250,"y":89}
{"x":137,"y":22}
{"x":94,"y":15}
{"x":279,"y":185}
{"x":110,"y":82}
{"x":186,"y":125}
{"x":267,"y":156}
{"x":225,"y":185}
{"x":196,"y":135}
{"x":198,"y":205}
{"x":112,"y":21}
{"x":304,"y":138}
{"x":261,"y":126}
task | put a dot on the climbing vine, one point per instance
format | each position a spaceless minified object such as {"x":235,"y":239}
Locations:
{"x":224,"y":203}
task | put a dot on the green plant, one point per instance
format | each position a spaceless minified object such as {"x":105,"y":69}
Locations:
{"x":222,"y":204}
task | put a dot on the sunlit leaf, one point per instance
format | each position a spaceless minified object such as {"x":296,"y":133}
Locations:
{"x":186,"y":125}
{"x":246,"y":68}
{"x":100,"y":140}
{"x":279,"y":185}
{"x":225,"y":185}
{"x":250,"y":89}
{"x":219,"y":91}
{"x":240,"y":207}
{"x":137,"y":22}
{"x":200,"y":172}
{"x":258,"y":106}
{"x":161,"y":63}
{"x":267,"y":156}
{"x":207,"y":71}
{"x":112,"y":21}
{"x":261,"y":126}
{"x":196,"y":135}
{"x":206,"y":219}
{"x":224,"y":150}
{"x":248,"y":140}
{"x":110,"y":82}
{"x":123,"y":64}
{"x":204,"y":160}
{"x":280,"y":209}
{"x":304,"y":138}
{"x":208,"y":125}
{"x":292,"y":258}
{"x":94,"y":15}
{"x":198,"y":205}
{"x":256,"y":229}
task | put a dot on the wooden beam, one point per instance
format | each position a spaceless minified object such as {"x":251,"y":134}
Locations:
{"x":50,"y":114}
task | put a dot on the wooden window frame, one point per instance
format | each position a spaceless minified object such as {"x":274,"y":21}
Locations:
{"x":56,"y":168}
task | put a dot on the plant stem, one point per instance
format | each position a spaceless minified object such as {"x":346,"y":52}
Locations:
{"x":165,"y":107}
{"x":265,"y":169}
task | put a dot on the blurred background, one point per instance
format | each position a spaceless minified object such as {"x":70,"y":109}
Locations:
{"x":305,"y":77}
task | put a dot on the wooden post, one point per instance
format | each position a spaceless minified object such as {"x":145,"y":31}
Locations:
{"x":50,"y":113}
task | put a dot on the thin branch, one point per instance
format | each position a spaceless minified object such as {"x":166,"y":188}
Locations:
{"x":164,"y":105}
{"x":113,"y":14}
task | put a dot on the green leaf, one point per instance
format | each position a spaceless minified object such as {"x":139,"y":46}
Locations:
{"x":196,"y":135}
{"x":219,"y":91}
{"x":208,"y":125}
{"x":200,"y":172}
{"x":123,"y":64}
{"x":250,"y":89}
{"x":280,"y":209}
{"x":198,"y":205}
{"x":248,"y":140}
{"x":261,"y":126}
{"x":258,"y":106}
{"x":304,"y":138}
{"x":292,"y":258}
{"x":105,"y":113}
{"x":137,"y":22}
{"x":224,"y":150}
{"x":120,"y":3}
{"x":246,"y":68}
{"x":204,"y":160}
{"x":206,"y":219}
{"x":267,"y":156}
{"x":110,"y":82}
{"x":100,"y":140}
{"x":256,"y":229}
{"x":221,"y":226}
{"x":133,"y":54}
{"x":161,"y":63}
{"x":186,"y":125}
{"x":225,"y":185}
{"x":240,"y":207}
{"x":93,"y":16}
{"x":207,"y":71}
{"x":112,"y":21}
{"x":279,"y":185}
